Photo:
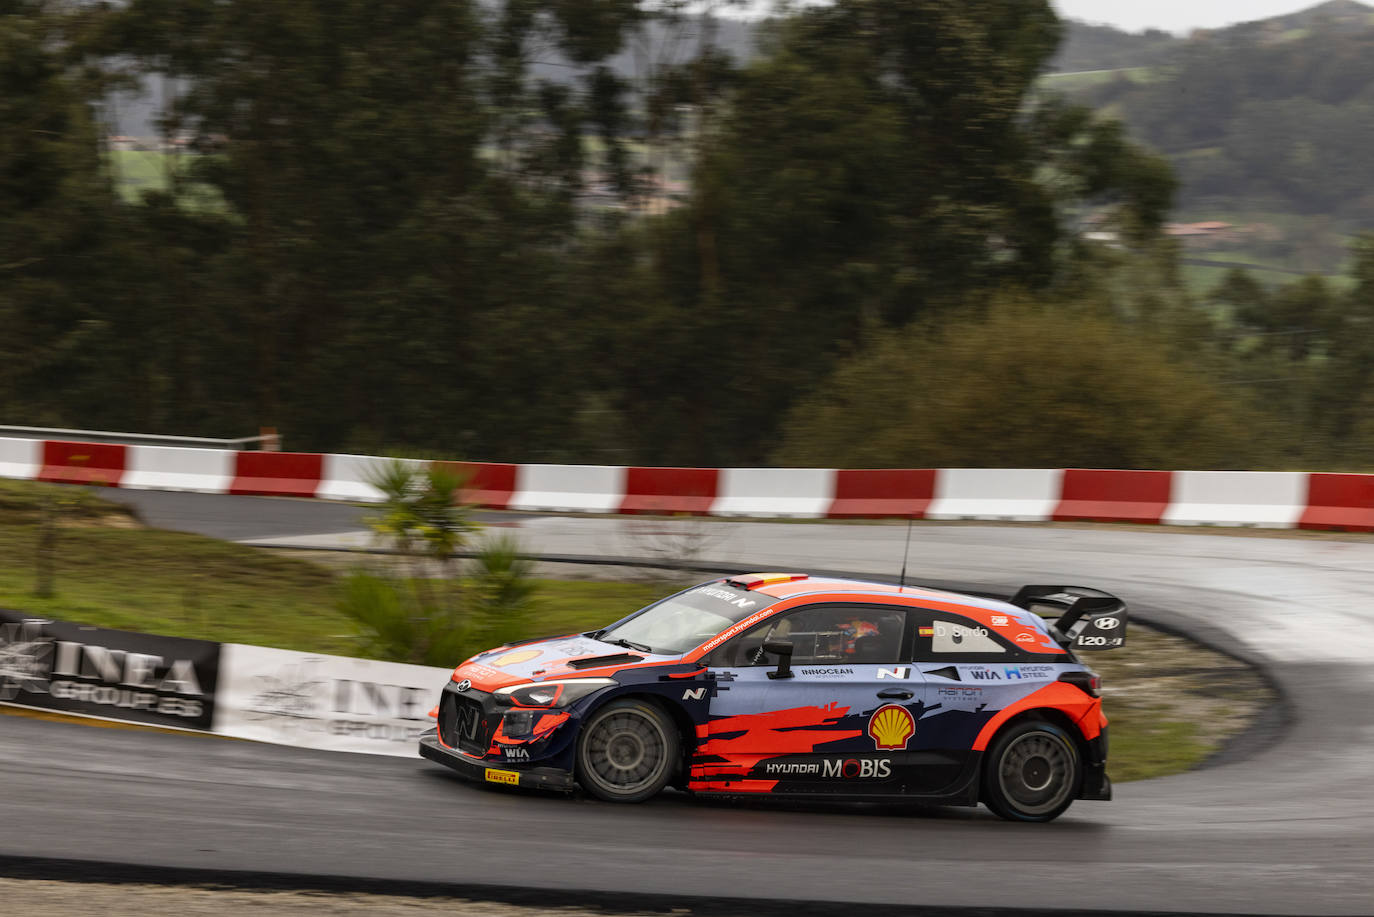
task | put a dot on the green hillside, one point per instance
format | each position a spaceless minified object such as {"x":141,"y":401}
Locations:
{"x":1267,"y":124}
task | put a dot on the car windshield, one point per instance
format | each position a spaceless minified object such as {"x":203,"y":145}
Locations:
{"x":682,"y":622}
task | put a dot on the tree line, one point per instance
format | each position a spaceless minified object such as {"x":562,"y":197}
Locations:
{"x":380,"y":241}
{"x":1267,"y":122}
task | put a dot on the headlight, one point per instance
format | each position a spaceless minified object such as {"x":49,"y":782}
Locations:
{"x":550,"y":693}
{"x":519,"y":722}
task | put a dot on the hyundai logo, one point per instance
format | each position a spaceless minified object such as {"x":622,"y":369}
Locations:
{"x":463,"y":685}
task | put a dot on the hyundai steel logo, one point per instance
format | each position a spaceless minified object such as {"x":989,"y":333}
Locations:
{"x":463,"y":685}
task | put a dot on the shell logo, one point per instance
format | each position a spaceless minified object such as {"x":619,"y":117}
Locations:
{"x":891,"y":726}
{"x":517,"y":656}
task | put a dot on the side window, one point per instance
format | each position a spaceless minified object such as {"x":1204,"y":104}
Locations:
{"x":942,"y":636}
{"x":962,"y":637}
{"x":823,"y":633}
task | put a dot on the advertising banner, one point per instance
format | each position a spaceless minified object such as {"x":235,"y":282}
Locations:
{"x":112,"y":674}
{"x":327,"y":702}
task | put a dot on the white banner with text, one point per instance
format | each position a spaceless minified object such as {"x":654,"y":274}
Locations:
{"x":335,"y":703}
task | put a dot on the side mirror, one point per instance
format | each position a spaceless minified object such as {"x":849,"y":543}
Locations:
{"x":783,"y":650}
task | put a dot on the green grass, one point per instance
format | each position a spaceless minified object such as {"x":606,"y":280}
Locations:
{"x":575,"y":606}
{"x":111,"y":573}
{"x":136,"y":171}
{"x":1143,"y":746}
{"x":1303,"y":246}
{"x":1086,"y":79}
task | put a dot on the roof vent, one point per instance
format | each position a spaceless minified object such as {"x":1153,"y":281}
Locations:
{"x":755,"y":580}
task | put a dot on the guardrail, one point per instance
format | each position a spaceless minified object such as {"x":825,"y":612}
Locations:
{"x":269,"y":439}
{"x":1266,"y":499}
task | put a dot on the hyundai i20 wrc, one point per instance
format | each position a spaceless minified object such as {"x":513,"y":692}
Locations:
{"x":784,"y":684}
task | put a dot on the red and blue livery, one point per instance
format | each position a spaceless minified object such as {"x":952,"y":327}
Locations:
{"x":785,"y":684}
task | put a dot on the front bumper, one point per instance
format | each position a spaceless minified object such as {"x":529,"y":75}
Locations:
{"x":542,"y":778}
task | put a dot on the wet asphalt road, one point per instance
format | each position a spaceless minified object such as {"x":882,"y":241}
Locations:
{"x":1288,"y":829}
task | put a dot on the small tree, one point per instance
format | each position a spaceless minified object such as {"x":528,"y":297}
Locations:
{"x":393,"y":623}
{"x":423,"y":517}
{"x":419,"y":615}
{"x":502,"y":594}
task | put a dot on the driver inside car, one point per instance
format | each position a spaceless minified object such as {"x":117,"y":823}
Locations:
{"x":818,"y":639}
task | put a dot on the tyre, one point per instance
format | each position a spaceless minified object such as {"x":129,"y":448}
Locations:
{"x":1032,"y":772}
{"x":627,"y":751}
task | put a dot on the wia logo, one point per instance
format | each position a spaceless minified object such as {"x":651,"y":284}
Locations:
{"x":984,"y":675}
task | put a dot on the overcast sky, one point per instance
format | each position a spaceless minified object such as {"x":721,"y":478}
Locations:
{"x":1179,"y":16}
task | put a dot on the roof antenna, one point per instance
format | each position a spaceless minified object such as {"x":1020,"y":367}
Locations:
{"x":906,"y":552}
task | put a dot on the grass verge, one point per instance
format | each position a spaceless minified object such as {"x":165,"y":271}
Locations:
{"x":1172,"y":703}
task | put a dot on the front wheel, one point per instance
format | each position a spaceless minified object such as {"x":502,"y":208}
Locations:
{"x":1032,"y":772}
{"x":626,"y":751}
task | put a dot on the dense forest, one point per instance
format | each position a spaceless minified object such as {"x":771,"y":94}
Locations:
{"x":389,"y":229}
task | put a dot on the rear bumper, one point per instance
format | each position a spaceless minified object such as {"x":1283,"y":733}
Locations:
{"x":541,"y":778}
{"x":1096,"y":783}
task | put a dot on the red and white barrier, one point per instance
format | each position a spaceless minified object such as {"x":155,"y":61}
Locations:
{"x":349,"y":478}
{"x":1232,"y":498}
{"x":801,"y":493}
{"x":489,"y":484}
{"x":668,"y":491}
{"x":1015,"y":494}
{"x":1339,"y":501}
{"x":570,"y":488}
{"x":209,"y":471}
{"x":277,"y":474}
{"x":20,"y":458}
{"x":878,"y":492}
{"x":83,"y":463}
{"x":1268,"y":499}
{"x":1092,"y":495}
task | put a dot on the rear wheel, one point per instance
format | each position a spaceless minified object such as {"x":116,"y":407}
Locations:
{"x":626,"y":751}
{"x":1032,"y":772}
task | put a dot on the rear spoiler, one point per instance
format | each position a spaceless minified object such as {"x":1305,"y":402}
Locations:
{"x":1088,"y":619}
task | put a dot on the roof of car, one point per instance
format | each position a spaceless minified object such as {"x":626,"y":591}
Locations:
{"x":1011,"y":621}
{"x":808,"y":585}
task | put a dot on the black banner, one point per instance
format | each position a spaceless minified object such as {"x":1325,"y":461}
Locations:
{"x":161,"y":681}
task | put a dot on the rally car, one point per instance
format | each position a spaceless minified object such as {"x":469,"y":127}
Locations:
{"x":791,"y":685}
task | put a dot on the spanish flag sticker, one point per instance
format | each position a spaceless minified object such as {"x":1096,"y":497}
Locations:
{"x":927,"y":631}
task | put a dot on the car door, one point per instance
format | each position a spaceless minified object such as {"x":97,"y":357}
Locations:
{"x":839,"y":721}
{"x":970,"y":672}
